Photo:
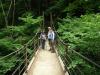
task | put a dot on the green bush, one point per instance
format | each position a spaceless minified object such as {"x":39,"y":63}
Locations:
{"x":83,"y":35}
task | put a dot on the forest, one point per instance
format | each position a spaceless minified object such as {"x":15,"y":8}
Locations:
{"x":77,"y":23}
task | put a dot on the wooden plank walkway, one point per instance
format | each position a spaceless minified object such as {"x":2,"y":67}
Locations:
{"x":46,"y":63}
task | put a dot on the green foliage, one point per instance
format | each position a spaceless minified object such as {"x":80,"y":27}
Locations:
{"x":74,"y":63}
{"x":13,"y":30}
{"x":31,"y":23}
{"x":82,"y":34}
{"x":7,"y":46}
{"x":14,"y":37}
{"x":84,"y":30}
{"x":29,"y":19}
{"x":7,"y":65}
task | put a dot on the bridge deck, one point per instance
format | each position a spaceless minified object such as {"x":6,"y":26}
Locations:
{"x":46,"y":63}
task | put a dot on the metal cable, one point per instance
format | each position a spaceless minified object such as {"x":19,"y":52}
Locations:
{"x":18,"y":67}
{"x":84,"y":57}
{"x":60,"y":39}
{"x":22,"y":69}
{"x":20,"y":48}
{"x":64,"y":61}
{"x":69,"y":63}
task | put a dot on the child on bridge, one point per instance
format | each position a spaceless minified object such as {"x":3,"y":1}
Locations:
{"x":42,"y":40}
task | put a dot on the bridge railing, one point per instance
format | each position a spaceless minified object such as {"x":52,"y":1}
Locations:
{"x":23,"y":56}
{"x":28,"y":52}
{"x":66,"y":55}
{"x":69,"y":55}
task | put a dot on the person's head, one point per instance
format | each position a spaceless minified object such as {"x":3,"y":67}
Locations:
{"x":49,"y":28}
{"x":42,"y":30}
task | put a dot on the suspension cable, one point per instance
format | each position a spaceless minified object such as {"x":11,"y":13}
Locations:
{"x":84,"y":57}
{"x":20,"y":48}
{"x":73,"y":50}
{"x":11,"y":53}
{"x":22,"y":69}
{"x":69,"y":62}
{"x":21,"y":65}
{"x":18,"y":68}
{"x":65,"y":62}
{"x":51,"y":24}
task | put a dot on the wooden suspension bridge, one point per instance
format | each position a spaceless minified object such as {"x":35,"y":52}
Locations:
{"x":43,"y":62}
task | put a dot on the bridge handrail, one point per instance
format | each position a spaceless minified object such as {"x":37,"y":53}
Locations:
{"x":65,"y":44}
{"x":25,"y":45}
{"x":82,"y":56}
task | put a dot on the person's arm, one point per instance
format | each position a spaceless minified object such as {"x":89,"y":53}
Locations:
{"x":48,"y":34}
{"x":45,"y":37}
{"x":53,"y":37}
{"x":40,"y":36}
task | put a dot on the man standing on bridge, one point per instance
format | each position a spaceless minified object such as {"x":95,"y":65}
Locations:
{"x":51,"y":38}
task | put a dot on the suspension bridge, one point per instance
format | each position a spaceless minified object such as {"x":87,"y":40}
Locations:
{"x":43,"y":62}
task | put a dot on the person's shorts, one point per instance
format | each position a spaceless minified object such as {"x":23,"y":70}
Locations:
{"x":50,"y":40}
